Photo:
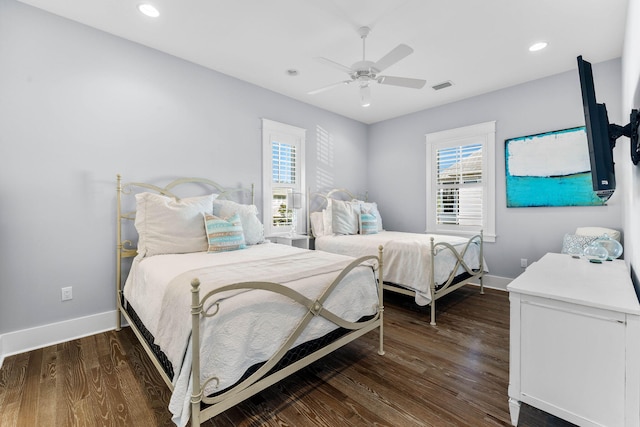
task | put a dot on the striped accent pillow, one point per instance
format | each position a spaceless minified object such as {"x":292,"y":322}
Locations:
{"x":368,"y":223}
{"x":224,"y":234}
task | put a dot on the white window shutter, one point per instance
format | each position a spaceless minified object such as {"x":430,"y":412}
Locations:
{"x":461,"y":181}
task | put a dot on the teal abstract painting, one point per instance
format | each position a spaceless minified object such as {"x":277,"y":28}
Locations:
{"x":549,"y":169}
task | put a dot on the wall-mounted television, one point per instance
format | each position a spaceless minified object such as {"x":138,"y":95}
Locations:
{"x":602,"y":135}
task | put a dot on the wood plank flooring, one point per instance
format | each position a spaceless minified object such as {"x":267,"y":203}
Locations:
{"x":455,"y":374}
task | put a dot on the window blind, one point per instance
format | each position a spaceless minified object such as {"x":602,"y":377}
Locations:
{"x":459,"y":186}
{"x":283,"y":163}
{"x":284,"y":173}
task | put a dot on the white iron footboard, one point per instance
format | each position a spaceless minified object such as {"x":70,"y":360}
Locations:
{"x":261,"y":378}
{"x":451,"y":284}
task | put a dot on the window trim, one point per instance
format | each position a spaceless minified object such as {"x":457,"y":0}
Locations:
{"x":484,"y":133}
{"x":272,"y":130}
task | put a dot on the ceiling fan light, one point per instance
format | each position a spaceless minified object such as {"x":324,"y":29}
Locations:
{"x":366,"y":72}
{"x":365,"y":96}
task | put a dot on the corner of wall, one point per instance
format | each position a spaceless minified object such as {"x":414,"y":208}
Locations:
{"x":1,"y":353}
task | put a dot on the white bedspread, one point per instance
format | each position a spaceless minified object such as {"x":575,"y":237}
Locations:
{"x":251,"y":325}
{"x":406,"y":256}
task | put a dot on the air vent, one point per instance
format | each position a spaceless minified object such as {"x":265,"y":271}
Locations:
{"x":442,"y":85}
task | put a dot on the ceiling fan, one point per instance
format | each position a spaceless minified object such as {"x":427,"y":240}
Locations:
{"x":364,"y":72}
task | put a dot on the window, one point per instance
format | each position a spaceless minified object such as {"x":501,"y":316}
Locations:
{"x":461,"y":181}
{"x":283,"y":179}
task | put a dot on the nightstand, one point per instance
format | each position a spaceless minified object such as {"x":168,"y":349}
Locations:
{"x":297,"y":240}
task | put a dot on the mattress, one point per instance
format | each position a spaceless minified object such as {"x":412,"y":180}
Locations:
{"x":250,"y":325}
{"x":407,"y":260}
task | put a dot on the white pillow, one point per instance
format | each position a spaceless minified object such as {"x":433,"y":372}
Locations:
{"x":169,"y":226}
{"x":345,"y":217}
{"x":327,"y":226}
{"x":371,"y":208}
{"x":251,"y":225}
{"x":317,"y":224}
{"x":598,"y":231}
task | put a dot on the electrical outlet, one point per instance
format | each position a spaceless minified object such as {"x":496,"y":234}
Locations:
{"x":523,"y":262}
{"x":67,"y":293}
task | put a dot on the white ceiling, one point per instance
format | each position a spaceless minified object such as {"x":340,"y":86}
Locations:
{"x":479,"y":45}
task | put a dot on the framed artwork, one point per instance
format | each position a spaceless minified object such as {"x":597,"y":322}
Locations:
{"x":549,"y":169}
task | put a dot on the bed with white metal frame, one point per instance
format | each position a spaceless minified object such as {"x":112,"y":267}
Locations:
{"x":460,"y":274}
{"x":205,"y":407}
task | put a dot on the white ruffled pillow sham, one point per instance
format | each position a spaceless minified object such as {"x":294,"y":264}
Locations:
{"x":327,"y":227}
{"x":169,"y":226}
{"x":317,"y":223}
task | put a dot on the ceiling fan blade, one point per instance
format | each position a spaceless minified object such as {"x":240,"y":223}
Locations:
{"x":402,"y":81}
{"x":334,"y":64}
{"x":399,"y":52}
{"x":331,"y":86}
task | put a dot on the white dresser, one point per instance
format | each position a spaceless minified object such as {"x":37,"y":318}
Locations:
{"x":575,"y":342}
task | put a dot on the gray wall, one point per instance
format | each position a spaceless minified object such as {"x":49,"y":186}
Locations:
{"x":78,"y":106}
{"x":397,"y":154}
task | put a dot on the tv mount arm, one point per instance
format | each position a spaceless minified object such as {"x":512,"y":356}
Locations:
{"x":630,"y":131}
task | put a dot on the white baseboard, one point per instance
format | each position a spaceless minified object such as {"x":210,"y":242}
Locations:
{"x":493,"y":282}
{"x":42,"y":336}
{"x":496,"y":282}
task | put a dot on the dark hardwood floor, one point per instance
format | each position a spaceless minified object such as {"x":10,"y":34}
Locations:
{"x":455,"y":374}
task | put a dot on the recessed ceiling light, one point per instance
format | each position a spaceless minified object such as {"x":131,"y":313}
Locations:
{"x":537,"y":46}
{"x":148,"y":10}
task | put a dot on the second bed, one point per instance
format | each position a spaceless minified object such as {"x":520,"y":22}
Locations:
{"x":425,"y":266}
